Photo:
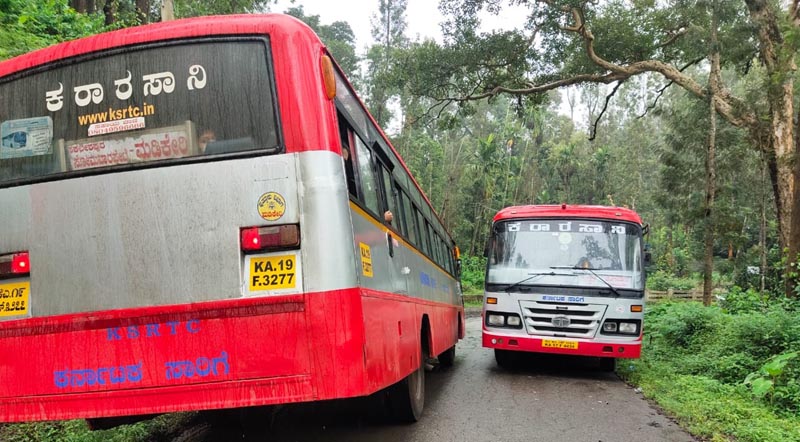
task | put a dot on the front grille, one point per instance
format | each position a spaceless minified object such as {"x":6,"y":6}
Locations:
{"x":584,"y":319}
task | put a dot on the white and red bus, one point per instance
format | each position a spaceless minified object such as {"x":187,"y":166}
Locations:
{"x":565,"y":279}
{"x":194,"y":217}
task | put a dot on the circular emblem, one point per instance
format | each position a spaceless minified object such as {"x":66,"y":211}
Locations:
{"x":271,"y":206}
{"x":561,"y":321}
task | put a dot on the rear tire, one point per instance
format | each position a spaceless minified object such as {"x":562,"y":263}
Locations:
{"x":506,"y":359}
{"x":448,"y":358}
{"x":407,"y":398}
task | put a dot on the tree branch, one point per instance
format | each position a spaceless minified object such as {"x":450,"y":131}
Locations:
{"x":603,"y":111}
{"x":661,"y":91}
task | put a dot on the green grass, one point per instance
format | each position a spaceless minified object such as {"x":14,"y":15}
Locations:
{"x":695,"y":359}
{"x":163,"y":427}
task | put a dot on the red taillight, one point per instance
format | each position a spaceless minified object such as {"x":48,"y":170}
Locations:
{"x":256,"y":239}
{"x":15,"y":264}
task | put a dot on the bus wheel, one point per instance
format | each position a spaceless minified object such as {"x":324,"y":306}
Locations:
{"x":608,"y":364}
{"x":447,"y":358}
{"x":506,"y":359}
{"x":407,"y":397}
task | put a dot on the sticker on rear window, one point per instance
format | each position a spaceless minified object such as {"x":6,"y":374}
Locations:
{"x":28,"y":137}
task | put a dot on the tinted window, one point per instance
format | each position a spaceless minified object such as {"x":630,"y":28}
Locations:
{"x":390,"y":196}
{"x":369,"y":187}
{"x":410,"y":218}
{"x":138,"y":106}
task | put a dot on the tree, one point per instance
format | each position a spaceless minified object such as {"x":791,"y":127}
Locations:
{"x":579,"y":42}
{"x":337,"y":36}
{"x":388,"y":32}
{"x":26,"y":26}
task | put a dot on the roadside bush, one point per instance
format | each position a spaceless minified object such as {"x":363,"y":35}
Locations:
{"x":682,"y":324}
{"x":738,"y":300}
{"x":661,"y":280}
{"x":473,"y":272}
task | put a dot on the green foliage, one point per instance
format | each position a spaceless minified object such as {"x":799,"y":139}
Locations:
{"x":764,"y":382}
{"x":26,"y":26}
{"x":473,"y":270}
{"x":703,"y":365}
{"x":662,"y":280}
{"x":164,"y":427}
{"x":337,"y":36}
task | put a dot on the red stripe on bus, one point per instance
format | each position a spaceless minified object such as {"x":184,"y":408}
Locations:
{"x":341,"y":343}
{"x":585,"y":348}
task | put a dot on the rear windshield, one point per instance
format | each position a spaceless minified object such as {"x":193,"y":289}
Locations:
{"x":143,"y":105}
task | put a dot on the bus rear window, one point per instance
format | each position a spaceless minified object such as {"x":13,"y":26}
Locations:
{"x":138,"y":106}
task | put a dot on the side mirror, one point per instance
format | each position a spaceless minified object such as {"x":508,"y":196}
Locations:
{"x":648,"y":259}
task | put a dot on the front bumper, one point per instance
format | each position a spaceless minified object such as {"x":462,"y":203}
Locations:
{"x":584,"y":348}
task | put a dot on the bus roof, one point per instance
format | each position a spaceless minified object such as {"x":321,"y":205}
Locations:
{"x":566,"y":210}
{"x":278,"y":25}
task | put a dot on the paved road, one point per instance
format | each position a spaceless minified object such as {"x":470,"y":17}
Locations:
{"x":547,"y":399}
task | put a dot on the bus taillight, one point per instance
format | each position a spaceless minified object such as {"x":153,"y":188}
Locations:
{"x":15,"y":264}
{"x":257,"y":239}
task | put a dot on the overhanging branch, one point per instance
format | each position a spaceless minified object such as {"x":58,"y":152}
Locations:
{"x":603,"y":111}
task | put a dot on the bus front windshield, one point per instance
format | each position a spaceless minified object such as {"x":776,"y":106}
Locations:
{"x":566,"y":252}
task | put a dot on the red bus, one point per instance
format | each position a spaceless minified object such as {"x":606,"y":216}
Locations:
{"x":565,"y":279}
{"x":196,"y":217}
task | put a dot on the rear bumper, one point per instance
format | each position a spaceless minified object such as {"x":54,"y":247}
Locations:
{"x":229,"y":394}
{"x":585,"y":348}
{"x":220,"y":354}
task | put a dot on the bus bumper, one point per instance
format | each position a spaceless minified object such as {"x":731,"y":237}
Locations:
{"x":584,"y":348}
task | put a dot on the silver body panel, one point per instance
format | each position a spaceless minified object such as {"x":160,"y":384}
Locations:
{"x":170,"y":235}
{"x":407,"y":273}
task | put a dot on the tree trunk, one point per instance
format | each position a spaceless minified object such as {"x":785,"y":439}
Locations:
{"x":143,"y":11}
{"x":79,"y":5}
{"x":778,"y":58}
{"x":711,"y":167}
{"x":167,"y":10}
{"x":793,"y":261}
{"x":762,"y":232}
{"x":110,"y":12}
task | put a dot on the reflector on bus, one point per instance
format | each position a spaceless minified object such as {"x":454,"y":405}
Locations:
{"x":256,"y":239}
{"x":15,"y":264}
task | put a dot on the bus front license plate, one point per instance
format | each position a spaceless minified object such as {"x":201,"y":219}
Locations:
{"x":15,"y":299}
{"x":273,"y":272}
{"x":552,"y":343}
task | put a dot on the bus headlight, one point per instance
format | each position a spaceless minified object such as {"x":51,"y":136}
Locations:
{"x":496,"y":320}
{"x":629,"y":328}
{"x":610,"y":327}
{"x":513,"y":321}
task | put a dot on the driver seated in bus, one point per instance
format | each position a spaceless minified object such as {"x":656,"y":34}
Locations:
{"x":584,"y":263}
{"x":205,"y":138}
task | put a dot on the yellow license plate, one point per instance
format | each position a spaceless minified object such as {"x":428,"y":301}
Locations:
{"x":15,"y":299}
{"x":552,"y":343}
{"x":273,"y":272}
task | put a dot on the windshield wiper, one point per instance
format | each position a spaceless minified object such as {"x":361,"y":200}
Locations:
{"x":535,"y":275}
{"x":592,"y":271}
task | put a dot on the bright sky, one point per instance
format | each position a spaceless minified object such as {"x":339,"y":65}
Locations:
{"x":423,"y":17}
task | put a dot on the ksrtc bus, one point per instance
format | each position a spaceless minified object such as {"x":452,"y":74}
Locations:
{"x":565,"y":279}
{"x":199,"y":219}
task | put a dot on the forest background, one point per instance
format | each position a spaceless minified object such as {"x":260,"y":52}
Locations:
{"x":683,"y":110}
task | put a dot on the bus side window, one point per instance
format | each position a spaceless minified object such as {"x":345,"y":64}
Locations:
{"x":391,"y":200}
{"x":408,"y":214}
{"x":346,"y":137}
{"x":424,"y":244}
{"x":369,"y":185}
